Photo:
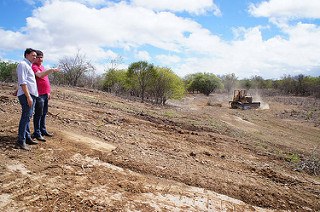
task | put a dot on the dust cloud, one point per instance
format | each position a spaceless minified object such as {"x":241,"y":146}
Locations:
{"x":263,"y":105}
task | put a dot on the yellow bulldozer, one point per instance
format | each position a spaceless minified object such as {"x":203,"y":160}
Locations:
{"x":243,"y":101}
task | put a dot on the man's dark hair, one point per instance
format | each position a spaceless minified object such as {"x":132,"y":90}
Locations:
{"x":28,"y":51}
{"x":39,"y":53}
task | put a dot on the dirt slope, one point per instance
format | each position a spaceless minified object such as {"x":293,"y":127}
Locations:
{"x":112,"y":154}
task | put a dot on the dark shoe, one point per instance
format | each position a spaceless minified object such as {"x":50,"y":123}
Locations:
{"x":30,"y":141}
{"x":40,"y":138}
{"x":47,"y":134}
{"x":22,"y":146}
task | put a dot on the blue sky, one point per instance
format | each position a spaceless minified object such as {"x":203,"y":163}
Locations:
{"x":268,"y":38}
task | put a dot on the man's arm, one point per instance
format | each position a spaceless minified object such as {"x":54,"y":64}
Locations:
{"x":23,"y":83}
{"x":46,"y":72}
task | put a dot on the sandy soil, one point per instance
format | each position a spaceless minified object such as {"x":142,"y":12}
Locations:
{"x":197,"y":154}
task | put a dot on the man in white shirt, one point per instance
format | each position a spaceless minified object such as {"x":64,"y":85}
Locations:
{"x":27,"y":93}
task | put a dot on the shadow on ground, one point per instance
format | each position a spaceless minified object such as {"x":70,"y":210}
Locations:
{"x":7,"y":142}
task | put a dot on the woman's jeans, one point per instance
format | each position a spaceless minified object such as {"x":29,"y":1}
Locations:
{"x":39,"y":118}
{"x":24,"y":124}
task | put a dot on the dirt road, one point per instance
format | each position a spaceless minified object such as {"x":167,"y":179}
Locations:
{"x":112,"y":154}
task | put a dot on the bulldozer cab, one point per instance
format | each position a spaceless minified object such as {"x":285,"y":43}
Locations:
{"x":241,"y":96}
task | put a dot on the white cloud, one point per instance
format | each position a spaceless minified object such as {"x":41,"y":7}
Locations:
{"x":143,"y":55}
{"x":191,"y":6}
{"x":92,"y":2}
{"x":251,"y":55}
{"x":288,"y":9}
{"x":8,"y":38}
{"x":118,"y":26}
{"x":168,"y":60}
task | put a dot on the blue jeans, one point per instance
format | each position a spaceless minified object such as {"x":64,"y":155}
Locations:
{"x":24,"y":124}
{"x":39,"y":118}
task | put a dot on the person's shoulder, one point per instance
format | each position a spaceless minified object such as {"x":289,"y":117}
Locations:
{"x":26,"y":63}
{"x":35,"y":66}
{"x":22,"y":63}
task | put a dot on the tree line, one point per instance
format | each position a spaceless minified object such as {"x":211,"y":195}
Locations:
{"x":157,"y":84}
{"x":145,"y":81}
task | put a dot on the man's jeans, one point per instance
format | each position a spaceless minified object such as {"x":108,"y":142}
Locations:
{"x":24,"y":124}
{"x":39,"y":118}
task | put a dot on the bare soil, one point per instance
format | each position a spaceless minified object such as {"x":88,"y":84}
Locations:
{"x":197,"y":154}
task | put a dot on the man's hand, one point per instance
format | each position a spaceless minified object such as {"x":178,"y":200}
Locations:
{"x":26,"y":92}
{"x":30,"y":101}
{"x":54,"y":70}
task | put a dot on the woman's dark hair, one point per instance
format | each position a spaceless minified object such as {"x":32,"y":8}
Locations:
{"x":28,"y":51}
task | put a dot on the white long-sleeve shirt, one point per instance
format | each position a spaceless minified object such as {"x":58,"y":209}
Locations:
{"x":26,"y":76}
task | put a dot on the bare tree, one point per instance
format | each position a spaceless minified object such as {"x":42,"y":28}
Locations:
{"x":115,"y":62}
{"x":75,"y":68}
{"x":229,"y":81}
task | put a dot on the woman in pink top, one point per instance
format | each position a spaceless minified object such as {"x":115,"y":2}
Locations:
{"x":44,"y":89}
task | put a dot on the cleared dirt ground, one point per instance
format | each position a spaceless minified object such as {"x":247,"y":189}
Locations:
{"x":197,"y":154}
